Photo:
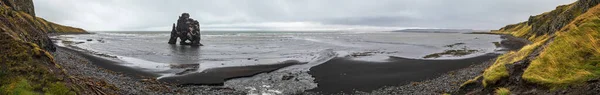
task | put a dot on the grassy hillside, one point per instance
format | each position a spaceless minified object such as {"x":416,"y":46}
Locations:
{"x":565,"y":49}
{"x":26,"y":66}
{"x":574,"y":55}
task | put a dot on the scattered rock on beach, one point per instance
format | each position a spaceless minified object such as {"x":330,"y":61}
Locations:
{"x":287,"y":77}
{"x":186,"y":71}
{"x":458,"y":52}
{"x":455,"y":44}
{"x":453,"y":52}
{"x":368,"y":53}
{"x":183,"y":66}
{"x":106,"y":55}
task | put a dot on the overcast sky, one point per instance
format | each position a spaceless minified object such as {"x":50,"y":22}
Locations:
{"x":135,"y":15}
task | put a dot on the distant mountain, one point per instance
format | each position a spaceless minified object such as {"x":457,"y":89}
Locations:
{"x":439,"y":30}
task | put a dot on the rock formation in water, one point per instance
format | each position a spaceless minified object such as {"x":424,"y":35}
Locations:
{"x":563,"y":58}
{"x":186,"y":29}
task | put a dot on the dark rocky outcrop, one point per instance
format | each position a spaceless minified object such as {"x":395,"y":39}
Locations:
{"x":21,"y":5}
{"x":550,"y":22}
{"x":20,"y":23}
{"x":186,"y":29}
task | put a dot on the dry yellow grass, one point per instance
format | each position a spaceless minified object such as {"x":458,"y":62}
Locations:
{"x":573,"y":57}
{"x":470,"y":81}
{"x":502,"y":91}
{"x":498,"y":70}
{"x":46,"y":26}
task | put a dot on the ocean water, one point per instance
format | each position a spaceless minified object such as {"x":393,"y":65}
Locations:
{"x":150,"y":52}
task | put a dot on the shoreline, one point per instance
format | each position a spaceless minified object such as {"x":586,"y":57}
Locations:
{"x":344,"y":75}
{"x":209,"y":77}
{"x":233,"y":72}
{"x":80,"y":67}
{"x":402,"y":75}
{"x":110,"y":64}
{"x":108,"y":77}
{"x":218,"y":76}
{"x":450,"y":82}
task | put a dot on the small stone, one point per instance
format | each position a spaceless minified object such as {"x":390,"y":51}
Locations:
{"x":287,"y":77}
{"x":89,"y":40}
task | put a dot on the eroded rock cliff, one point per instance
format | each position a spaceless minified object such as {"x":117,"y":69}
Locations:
{"x":21,"y":5}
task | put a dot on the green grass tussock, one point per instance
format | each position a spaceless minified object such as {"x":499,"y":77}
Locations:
{"x":26,"y":68}
{"x":471,"y":81}
{"x":502,"y":91}
{"x":58,"y":88}
{"x":21,"y":87}
{"x":498,"y":70}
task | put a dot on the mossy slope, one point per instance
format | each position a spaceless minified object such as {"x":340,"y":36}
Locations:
{"x":565,"y":49}
{"x":26,"y":66}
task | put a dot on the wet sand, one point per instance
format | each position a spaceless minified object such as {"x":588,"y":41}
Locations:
{"x":88,"y":70}
{"x":217,"y":76}
{"x":214,"y":76}
{"x":343,"y":75}
{"x":111,"y":65}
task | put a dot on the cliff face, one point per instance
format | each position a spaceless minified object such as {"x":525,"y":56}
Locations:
{"x":18,"y":22}
{"x":26,"y":65}
{"x":21,"y":5}
{"x":565,"y":50}
{"x":550,"y":22}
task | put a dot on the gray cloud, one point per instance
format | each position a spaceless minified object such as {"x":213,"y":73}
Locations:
{"x":100,"y":15}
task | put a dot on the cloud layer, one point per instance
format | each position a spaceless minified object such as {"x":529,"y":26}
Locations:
{"x":132,"y":15}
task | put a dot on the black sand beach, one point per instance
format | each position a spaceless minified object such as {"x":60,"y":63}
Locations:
{"x":218,"y":76}
{"x":111,"y":64}
{"x":402,"y":75}
{"x":347,"y":75}
{"x":108,"y":78}
{"x":214,"y":76}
